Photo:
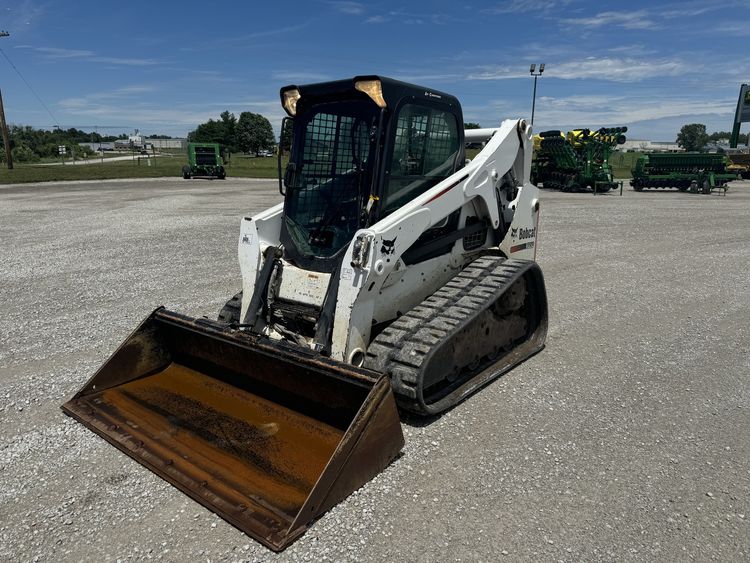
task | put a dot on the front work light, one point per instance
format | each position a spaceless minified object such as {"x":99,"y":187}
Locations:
{"x":372,"y":88}
{"x":290,"y":98}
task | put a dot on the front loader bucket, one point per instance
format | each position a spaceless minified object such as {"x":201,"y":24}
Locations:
{"x":269,"y":437}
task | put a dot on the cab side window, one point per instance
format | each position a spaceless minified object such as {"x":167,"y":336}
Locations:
{"x":424,"y":153}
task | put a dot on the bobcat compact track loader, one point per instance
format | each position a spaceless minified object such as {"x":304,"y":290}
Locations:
{"x":393,"y":269}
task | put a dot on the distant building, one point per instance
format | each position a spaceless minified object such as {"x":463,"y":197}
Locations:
{"x":136,"y":141}
{"x":143,"y":143}
{"x":722,"y":145}
{"x":168,"y":143}
{"x":643,"y":145}
{"x":105,"y":146}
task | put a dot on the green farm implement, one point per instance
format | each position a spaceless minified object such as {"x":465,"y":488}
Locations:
{"x":693,"y":172}
{"x":739,"y":163}
{"x":578,"y":161}
{"x":204,"y":161}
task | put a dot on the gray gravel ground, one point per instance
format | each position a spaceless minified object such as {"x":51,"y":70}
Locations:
{"x":626,"y":439}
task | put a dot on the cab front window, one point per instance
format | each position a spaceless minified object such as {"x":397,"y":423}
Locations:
{"x":330,"y":176}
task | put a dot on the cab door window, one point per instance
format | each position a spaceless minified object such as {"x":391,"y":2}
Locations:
{"x":424,"y":152}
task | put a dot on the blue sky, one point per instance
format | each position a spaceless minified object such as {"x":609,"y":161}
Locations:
{"x":164,"y":67}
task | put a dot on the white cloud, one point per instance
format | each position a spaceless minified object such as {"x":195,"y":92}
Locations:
{"x":257,"y":106}
{"x":258,"y":34}
{"x":522,"y":6}
{"x":617,"y":69}
{"x":612,"y":69}
{"x":127,"y":91}
{"x":600,"y":110}
{"x":635,"y":49}
{"x":55,"y":53}
{"x":377,"y":19}
{"x":129,"y":106}
{"x":628,"y":110}
{"x":735,"y":29}
{"x":495,"y":73}
{"x":422,"y":77}
{"x":20,"y":17}
{"x":138,"y":114}
{"x":93,"y":99}
{"x":299,"y":77}
{"x":189,"y":74}
{"x":352,"y":8}
{"x":410,"y":18}
{"x":690,"y":9}
{"x":686,"y":12}
{"x":626,"y":20}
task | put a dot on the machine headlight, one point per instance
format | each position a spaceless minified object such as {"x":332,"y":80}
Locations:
{"x":372,"y":88}
{"x":290,"y":98}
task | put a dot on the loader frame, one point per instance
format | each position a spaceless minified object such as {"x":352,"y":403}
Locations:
{"x":374,"y":282}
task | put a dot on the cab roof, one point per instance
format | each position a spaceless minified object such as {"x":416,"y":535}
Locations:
{"x":393,"y":92}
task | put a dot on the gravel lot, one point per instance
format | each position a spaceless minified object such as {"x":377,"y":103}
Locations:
{"x":626,"y":439}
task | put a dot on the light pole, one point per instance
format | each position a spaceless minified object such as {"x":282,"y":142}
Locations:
{"x":535,"y":75}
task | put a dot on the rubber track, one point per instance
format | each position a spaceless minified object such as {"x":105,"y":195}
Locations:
{"x":402,"y":349}
{"x":230,"y":313}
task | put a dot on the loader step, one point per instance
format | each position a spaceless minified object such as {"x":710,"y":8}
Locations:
{"x":488,"y":318}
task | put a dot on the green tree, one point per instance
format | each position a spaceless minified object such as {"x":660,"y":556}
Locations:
{"x":23,"y":153}
{"x":229,"y":121}
{"x":47,"y":150}
{"x":254,"y":133}
{"x":222,"y":131}
{"x":44,"y":143}
{"x":84,"y":150}
{"x":211,"y":131}
{"x":717,"y":135}
{"x":692,"y":137}
{"x":285,"y":143}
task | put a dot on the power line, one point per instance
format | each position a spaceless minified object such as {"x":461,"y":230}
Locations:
{"x":54,"y":119}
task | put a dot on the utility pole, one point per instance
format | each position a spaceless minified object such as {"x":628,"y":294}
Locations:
{"x":3,"y":125}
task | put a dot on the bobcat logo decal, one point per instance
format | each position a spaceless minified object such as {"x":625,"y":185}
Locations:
{"x":524,"y":233}
{"x":388,"y":247}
